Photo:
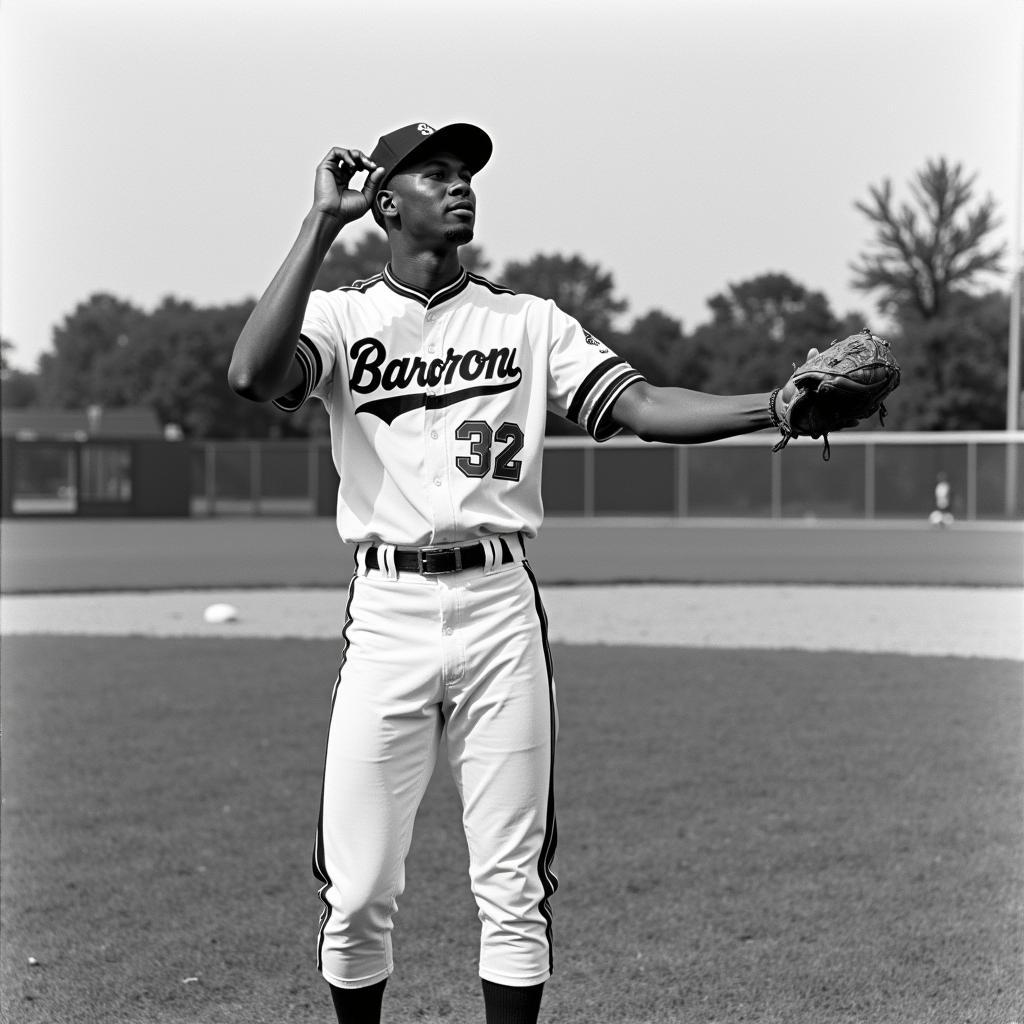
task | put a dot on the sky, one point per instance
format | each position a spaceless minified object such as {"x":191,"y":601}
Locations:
{"x":168,"y":148}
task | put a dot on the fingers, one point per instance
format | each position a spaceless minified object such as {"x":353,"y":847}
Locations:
{"x":372,"y":185}
{"x":344,"y":163}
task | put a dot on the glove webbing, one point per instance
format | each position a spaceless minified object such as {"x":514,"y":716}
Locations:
{"x":826,"y":452}
{"x":787,"y":434}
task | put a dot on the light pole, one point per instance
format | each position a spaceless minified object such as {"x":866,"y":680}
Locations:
{"x":1013,"y":393}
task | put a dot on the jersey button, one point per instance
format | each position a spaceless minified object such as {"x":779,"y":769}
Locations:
{"x":433,"y":435}
{"x":437,"y":481}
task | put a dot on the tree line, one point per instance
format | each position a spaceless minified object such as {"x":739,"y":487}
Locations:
{"x":923,"y":267}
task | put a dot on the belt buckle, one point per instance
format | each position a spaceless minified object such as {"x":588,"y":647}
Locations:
{"x":424,"y":554}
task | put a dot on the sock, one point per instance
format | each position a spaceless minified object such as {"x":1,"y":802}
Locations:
{"x":358,"y":1005}
{"x":506,"y":1004}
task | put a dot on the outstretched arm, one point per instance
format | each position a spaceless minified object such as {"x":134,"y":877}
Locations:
{"x":680,"y":416}
{"x":263,"y":366}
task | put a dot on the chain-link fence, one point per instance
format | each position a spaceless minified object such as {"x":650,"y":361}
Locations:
{"x":870,"y":474}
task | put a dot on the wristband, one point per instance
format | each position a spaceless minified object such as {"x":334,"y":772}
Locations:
{"x":776,"y":422}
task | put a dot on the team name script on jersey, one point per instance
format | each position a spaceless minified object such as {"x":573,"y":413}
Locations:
{"x":372,"y":371}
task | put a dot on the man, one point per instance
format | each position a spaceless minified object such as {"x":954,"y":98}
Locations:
{"x":941,"y":514}
{"x":437,"y":383}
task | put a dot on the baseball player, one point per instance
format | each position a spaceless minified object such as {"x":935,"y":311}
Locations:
{"x":941,"y":515}
{"x":437,"y":383}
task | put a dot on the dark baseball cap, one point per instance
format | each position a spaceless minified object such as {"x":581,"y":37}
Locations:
{"x":397,"y":148}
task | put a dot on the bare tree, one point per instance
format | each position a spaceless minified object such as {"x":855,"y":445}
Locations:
{"x":923,"y":254}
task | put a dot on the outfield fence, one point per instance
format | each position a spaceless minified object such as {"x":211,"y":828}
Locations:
{"x":870,"y":474}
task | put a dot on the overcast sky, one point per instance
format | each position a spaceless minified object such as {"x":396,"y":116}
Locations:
{"x":155,"y":148}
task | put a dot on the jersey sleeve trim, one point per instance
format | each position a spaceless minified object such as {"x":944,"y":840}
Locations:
{"x":590,"y":382}
{"x":595,"y":397}
{"x":600,"y":425}
{"x":312,"y":367}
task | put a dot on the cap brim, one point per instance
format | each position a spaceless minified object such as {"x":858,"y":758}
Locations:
{"x":467,"y":141}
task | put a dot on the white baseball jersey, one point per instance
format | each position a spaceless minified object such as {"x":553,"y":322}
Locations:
{"x":438,"y":403}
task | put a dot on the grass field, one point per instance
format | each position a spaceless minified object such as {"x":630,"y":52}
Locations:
{"x":744,"y":837}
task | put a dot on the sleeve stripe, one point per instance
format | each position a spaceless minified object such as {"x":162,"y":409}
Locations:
{"x":305,"y":345}
{"x":595,"y":422}
{"x":308,"y":372}
{"x":588,"y":385}
{"x":311,"y":365}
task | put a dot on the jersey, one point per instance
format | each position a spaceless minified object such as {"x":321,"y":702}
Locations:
{"x":438,"y":403}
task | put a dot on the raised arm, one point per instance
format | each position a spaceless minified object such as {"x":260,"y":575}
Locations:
{"x":263,"y":366}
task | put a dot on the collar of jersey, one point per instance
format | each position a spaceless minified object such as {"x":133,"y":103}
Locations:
{"x":436,"y":299}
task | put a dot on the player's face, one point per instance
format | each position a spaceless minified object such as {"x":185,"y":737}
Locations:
{"x":435,"y":200}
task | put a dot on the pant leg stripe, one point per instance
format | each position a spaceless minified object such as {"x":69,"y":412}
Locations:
{"x":319,"y":857}
{"x":547,"y":850}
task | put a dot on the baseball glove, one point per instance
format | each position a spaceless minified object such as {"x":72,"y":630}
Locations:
{"x":840,"y":386}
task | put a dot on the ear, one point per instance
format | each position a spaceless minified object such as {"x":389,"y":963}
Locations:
{"x":385,"y":201}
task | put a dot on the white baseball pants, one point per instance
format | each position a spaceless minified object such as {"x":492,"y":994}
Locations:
{"x":464,"y":654}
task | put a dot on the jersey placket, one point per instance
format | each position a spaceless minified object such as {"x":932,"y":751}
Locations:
{"x":438,"y":460}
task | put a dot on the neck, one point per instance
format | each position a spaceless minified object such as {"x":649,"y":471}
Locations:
{"x":427,"y":272}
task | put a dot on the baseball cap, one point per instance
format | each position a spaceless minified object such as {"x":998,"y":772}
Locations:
{"x":398,"y":147}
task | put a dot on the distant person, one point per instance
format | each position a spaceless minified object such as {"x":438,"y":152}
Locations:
{"x":941,"y":515}
{"x":437,"y":383}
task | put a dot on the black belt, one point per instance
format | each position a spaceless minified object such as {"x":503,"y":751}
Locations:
{"x":436,"y":561}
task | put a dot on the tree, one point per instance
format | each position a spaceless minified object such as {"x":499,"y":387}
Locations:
{"x":184,"y":365}
{"x":18,"y":390}
{"x":953,"y":367}
{"x":581,"y":289}
{"x":173,"y":360}
{"x":923,"y":256}
{"x":760,"y":328}
{"x":774,"y":306}
{"x":86,"y":364}
{"x":654,"y":346}
{"x":368,"y":255}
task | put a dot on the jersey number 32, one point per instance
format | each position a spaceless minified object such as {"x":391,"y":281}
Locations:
{"x":481,"y":447}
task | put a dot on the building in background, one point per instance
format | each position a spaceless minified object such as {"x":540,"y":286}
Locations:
{"x":92,"y":462}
